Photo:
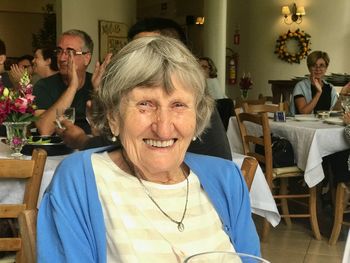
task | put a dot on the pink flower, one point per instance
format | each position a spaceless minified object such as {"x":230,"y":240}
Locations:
{"x":21,"y":104}
{"x":30,"y":97}
{"x":16,"y":141}
{"x":17,"y":104}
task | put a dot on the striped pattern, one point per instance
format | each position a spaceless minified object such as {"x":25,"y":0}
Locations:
{"x":138,"y":232}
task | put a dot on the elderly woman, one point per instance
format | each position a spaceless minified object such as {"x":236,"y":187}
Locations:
{"x":148,"y":201}
{"x":314,"y":93}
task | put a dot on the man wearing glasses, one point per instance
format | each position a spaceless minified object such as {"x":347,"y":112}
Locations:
{"x":71,"y":87}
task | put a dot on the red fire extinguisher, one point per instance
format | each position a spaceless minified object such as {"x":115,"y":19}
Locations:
{"x":236,"y":37}
{"x":232,"y":71}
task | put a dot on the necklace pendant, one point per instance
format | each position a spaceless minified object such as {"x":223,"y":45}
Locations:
{"x":180,"y":227}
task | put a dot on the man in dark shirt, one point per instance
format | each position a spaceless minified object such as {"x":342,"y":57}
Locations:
{"x":71,"y":87}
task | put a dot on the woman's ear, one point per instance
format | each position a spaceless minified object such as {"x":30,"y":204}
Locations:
{"x":114,"y":124}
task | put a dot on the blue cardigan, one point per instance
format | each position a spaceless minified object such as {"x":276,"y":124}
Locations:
{"x":70,"y":226}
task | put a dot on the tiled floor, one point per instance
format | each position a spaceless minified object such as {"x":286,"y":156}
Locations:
{"x":297,"y":245}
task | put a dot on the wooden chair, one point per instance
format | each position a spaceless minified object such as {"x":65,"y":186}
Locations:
{"x":249,"y":140}
{"x":342,"y":206}
{"x":31,"y":171}
{"x":27,"y":226}
{"x":248,"y":169}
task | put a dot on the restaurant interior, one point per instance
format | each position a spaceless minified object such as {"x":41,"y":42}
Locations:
{"x":243,"y":38}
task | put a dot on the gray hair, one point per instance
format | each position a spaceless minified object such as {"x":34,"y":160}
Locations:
{"x":88,"y":43}
{"x":150,"y":62}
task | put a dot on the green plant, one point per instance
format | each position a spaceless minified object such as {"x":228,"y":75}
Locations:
{"x":46,"y":37}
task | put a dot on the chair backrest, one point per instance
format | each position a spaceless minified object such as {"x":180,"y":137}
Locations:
{"x":259,"y":101}
{"x":248,"y":169}
{"x":266,"y":97}
{"x":31,"y":171}
{"x":251,"y":108}
{"x":250,"y":140}
{"x":27,"y":226}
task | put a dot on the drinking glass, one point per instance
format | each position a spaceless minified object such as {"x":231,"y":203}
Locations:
{"x":345,"y":102}
{"x":65,"y":114}
{"x":224,"y":257}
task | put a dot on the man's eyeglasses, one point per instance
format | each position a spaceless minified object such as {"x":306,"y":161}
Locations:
{"x":322,"y":66}
{"x":59,"y":51}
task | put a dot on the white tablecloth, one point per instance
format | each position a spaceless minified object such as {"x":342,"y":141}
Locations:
{"x":262,"y":202}
{"x":311,"y":141}
{"x":261,"y":199}
{"x":346,"y":254}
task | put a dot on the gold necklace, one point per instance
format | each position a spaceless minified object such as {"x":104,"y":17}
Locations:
{"x":180,"y":224}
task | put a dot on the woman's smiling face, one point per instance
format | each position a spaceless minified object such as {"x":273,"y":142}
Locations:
{"x":155,"y":127}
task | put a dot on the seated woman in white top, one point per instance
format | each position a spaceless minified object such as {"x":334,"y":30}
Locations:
{"x":314,"y":93}
{"x":213,"y":83}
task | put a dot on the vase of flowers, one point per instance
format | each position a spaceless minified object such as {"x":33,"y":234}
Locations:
{"x":17,"y":112}
{"x":16,"y":136}
{"x":245,"y":84}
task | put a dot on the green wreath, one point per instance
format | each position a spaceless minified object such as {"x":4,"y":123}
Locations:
{"x":304,"y":43}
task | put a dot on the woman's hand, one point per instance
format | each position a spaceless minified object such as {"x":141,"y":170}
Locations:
{"x":317,"y":83}
{"x":345,"y":89}
{"x":346,"y":118}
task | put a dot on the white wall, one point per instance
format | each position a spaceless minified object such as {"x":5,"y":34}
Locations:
{"x":84,"y":15}
{"x":261,"y":23}
{"x":17,"y":23}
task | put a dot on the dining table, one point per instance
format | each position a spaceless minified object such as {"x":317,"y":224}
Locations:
{"x":12,"y":191}
{"x":261,"y":199}
{"x":312,"y":139}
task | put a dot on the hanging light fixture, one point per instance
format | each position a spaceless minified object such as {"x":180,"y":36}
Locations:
{"x":295,"y":16}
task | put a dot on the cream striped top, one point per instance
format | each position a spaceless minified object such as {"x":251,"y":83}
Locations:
{"x":137,"y":231}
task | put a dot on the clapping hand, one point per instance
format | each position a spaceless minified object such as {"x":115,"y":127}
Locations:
{"x":16,"y":73}
{"x":99,"y":70}
{"x":73,"y":79}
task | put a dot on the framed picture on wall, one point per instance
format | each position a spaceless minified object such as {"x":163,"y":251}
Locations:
{"x":112,"y":37}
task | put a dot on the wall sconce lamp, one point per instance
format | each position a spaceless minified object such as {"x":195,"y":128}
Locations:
{"x":200,"y":20}
{"x":296,"y":15}
{"x":195,"y":20}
